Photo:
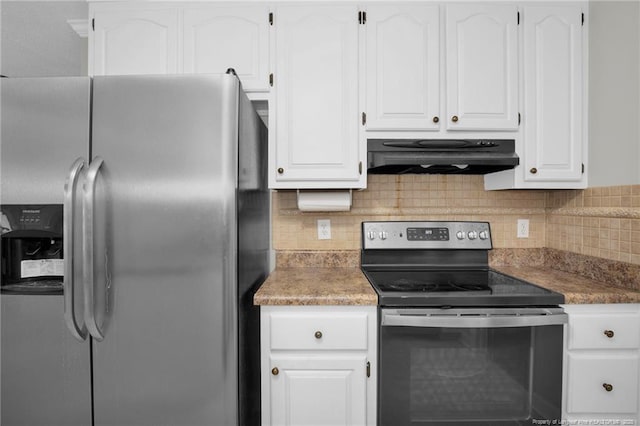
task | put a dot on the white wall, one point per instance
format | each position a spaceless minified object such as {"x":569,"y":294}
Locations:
{"x":36,"y":41}
{"x":614,"y":93}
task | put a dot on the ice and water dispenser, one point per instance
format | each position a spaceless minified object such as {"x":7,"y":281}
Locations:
{"x":32,"y":254}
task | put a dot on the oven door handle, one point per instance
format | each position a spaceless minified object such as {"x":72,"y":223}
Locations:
{"x":479,"y":320}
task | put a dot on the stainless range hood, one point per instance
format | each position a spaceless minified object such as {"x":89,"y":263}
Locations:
{"x":440,"y":156}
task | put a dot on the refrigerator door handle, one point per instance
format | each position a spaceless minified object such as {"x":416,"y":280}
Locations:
{"x":69,"y":219}
{"x":87,"y":248}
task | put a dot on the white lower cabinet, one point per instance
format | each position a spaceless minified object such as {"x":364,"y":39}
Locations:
{"x":602,"y":364}
{"x":318,"y":365}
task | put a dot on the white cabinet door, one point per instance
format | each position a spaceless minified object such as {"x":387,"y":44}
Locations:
{"x":322,"y":391}
{"x":603,"y":385}
{"x":403,"y":67}
{"x":134,"y":41}
{"x":553,"y":81}
{"x":602,"y":364}
{"x":317,"y":141}
{"x":481,"y":67}
{"x":220,"y":37}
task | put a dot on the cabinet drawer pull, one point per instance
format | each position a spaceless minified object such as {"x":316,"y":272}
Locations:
{"x":280,"y":170}
{"x":454,"y":118}
{"x":318,"y":334}
{"x":533,"y":170}
{"x":609,"y":333}
{"x":607,"y":387}
{"x":436,"y":119}
{"x":275,"y":371}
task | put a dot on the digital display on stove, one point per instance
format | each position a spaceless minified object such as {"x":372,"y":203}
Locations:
{"x":428,"y":234}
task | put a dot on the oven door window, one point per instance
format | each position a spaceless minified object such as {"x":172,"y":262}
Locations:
{"x":470,"y":376}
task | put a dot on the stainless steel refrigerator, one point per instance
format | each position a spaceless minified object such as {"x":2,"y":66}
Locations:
{"x":166,"y":238}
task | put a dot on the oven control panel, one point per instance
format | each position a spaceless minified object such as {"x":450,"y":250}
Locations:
{"x":426,"y":235}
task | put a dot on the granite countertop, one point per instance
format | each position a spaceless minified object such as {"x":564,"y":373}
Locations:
{"x":334,"y":278}
{"x":316,"y":286}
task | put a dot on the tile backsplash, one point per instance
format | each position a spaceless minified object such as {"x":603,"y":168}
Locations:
{"x":601,"y":222}
{"x":413,"y":197}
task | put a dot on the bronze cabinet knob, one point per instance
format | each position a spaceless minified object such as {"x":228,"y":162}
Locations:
{"x":280,"y":170}
{"x":609,"y":333}
{"x":318,"y":334}
{"x":454,"y":118}
{"x":436,"y":119}
{"x":533,"y":170}
{"x":275,"y":371}
{"x":607,"y":387}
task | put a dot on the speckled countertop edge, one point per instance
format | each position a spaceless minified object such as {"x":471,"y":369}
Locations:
{"x":334,"y":277}
{"x":316,"y":286}
{"x":575,"y":288}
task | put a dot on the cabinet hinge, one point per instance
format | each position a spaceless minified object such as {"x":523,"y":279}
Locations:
{"x":360,"y":168}
{"x":93,"y":24}
{"x":518,"y":18}
{"x":271,"y":79}
{"x":582,"y":168}
{"x":368,"y":369}
{"x":583,"y":19}
{"x":364,"y":118}
{"x":270,"y":18}
{"x":519,"y":119}
{"x":362,"y":17}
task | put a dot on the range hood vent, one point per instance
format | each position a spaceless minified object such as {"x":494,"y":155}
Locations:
{"x":440,"y":156}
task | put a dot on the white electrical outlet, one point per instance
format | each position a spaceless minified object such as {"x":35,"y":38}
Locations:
{"x":523,"y":228}
{"x":324,"y":229}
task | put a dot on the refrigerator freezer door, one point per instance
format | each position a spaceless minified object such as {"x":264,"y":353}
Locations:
{"x":165,"y":240}
{"x":45,"y":373}
{"x":45,"y":127}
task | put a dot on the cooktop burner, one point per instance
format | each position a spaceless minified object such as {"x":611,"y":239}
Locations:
{"x":441,"y":264}
{"x":433,"y":281}
{"x":454,"y":288}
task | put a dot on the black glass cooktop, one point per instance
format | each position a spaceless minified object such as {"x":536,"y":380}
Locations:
{"x":456,"y":288}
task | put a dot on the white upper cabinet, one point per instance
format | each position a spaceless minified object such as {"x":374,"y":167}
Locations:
{"x":403,"y":67}
{"x":134,"y":40}
{"x":317,"y":141}
{"x":553,"y":146}
{"x":176,"y":38}
{"x":334,"y":74}
{"x":481,"y":67}
{"x":220,"y":37}
{"x":553,"y":80}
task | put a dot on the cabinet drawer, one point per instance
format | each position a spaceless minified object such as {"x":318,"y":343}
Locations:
{"x":318,"y":331}
{"x":604,"y":331}
{"x":589,"y":377}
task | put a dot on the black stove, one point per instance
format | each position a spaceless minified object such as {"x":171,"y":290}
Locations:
{"x":459,"y":343}
{"x":441,"y":264}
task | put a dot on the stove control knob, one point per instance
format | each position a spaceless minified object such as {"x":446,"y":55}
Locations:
{"x":461,"y":235}
{"x":472,"y":235}
{"x":484,"y":235}
{"x":371,"y":235}
{"x":383,"y":235}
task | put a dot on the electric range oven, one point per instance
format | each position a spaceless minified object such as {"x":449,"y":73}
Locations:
{"x":460,"y":343}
